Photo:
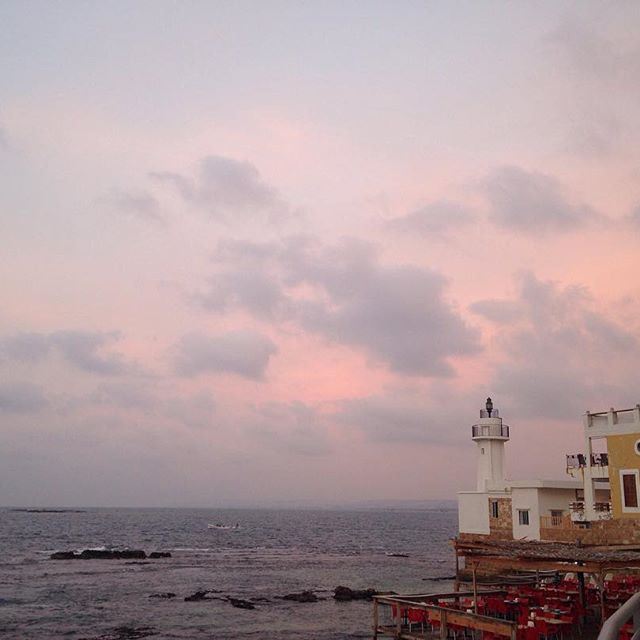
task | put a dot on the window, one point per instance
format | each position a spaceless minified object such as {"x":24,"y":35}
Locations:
{"x":523,"y":516}
{"x":494,"y":508}
{"x":629,"y":486}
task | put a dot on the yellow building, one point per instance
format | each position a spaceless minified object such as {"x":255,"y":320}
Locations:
{"x":610,"y":466}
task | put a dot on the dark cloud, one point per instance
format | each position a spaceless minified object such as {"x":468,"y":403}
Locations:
{"x":634,"y":218}
{"x":227,"y":189}
{"x":140,"y":205}
{"x":4,"y":139}
{"x":245,"y":353}
{"x":533,"y":203}
{"x":397,"y":313}
{"x":435,"y":219}
{"x":85,"y":350}
{"x":125,"y":395}
{"x":562,"y":355}
{"x":21,"y":397}
{"x":25,"y":347}
{"x":290,"y":427}
{"x":406,"y":416}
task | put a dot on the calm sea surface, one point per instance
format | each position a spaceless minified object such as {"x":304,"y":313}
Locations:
{"x":270,"y":554}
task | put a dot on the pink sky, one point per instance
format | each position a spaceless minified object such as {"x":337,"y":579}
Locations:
{"x":258,"y":254}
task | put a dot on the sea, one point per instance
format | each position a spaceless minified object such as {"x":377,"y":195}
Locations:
{"x":265,"y":555}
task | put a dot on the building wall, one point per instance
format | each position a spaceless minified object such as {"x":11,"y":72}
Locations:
{"x":622,"y":455}
{"x":473,"y":513}
{"x":620,"y":531}
{"x":556,"y":500}
{"x":526,"y":499}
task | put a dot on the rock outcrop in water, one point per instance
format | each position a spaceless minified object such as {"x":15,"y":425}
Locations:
{"x":241,"y":604}
{"x":345,"y":594}
{"x":198,"y":596}
{"x":108,"y":554}
{"x":163,"y":596}
{"x":100,"y":554}
{"x":303,"y":596}
{"x":126,"y":633}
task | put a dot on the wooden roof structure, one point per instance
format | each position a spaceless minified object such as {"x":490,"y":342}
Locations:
{"x":554,"y":556}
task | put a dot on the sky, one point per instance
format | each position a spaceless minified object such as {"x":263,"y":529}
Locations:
{"x":279,"y":253}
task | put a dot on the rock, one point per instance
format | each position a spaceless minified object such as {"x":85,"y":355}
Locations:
{"x":100,"y":554}
{"x":63,"y":555}
{"x":397,"y":555}
{"x":132,"y":633}
{"x":345,"y":594}
{"x":303,"y":596}
{"x":126,"y":633}
{"x":159,"y":554}
{"x":241,"y":604}
{"x":197,"y":596}
{"x":163,"y":596}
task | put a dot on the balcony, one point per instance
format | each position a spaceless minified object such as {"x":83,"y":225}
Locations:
{"x":490,"y":431}
{"x":602,"y":511}
{"x":598,"y":464}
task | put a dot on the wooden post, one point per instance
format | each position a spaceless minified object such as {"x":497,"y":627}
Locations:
{"x":375,"y":619}
{"x":603,"y":610}
{"x":399,"y":622}
{"x":475,"y":587}
{"x":456,"y":584}
{"x":443,"y":624}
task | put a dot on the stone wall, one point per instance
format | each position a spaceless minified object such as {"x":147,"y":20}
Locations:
{"x":601,"y":533}
{"x":501,"y":528}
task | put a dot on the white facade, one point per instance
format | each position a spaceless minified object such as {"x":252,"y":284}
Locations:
{"x":531,"y":501}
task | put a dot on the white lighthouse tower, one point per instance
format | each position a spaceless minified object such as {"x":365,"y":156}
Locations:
{"x":490,"y":435}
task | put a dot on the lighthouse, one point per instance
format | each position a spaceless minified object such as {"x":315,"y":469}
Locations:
{"x":490,"y":435}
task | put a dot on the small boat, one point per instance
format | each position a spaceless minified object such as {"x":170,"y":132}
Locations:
{"x":219,"y":525}
{"x":393,"y":554}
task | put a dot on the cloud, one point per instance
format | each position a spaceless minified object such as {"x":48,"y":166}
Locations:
{"x":21,"y":397}
{"x":4,"y":139}
{"x":634,"y":218}
{"x":499,"y":311}
{"x":561,"y":354}
{"x":435,"y":219}
{"x":408,"y":416}
{"x":140,"y":204}
{"x":229,"y":190}
{"x":85,"y":350}
{"x":396,"y":313}
{"x":125,"y":395}
{"x":195,"y":410}
{"x":532,"y":203}
{"x":245,"y":353}
{"x":290,"y":427}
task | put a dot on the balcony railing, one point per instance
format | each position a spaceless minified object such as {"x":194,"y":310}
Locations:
{"x":556,"y":522}
{"x":485,"y":414}
{"x":602,"y":511}
{"x":490,"y":430}
{"x":579,"y":460}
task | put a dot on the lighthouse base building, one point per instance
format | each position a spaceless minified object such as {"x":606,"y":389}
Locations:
{"x":589,"y":506}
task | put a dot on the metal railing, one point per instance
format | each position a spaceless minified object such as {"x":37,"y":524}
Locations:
{"x":579,"y":460}
{"x":490,"y":430}
{"x":630,"y":609}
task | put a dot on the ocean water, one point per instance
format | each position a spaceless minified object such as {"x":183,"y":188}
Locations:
{"x":270,"y":554}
